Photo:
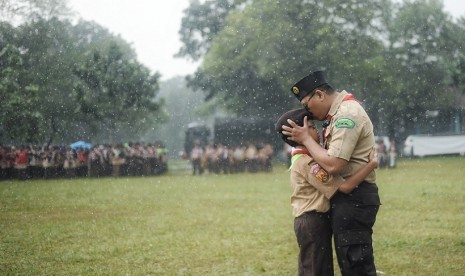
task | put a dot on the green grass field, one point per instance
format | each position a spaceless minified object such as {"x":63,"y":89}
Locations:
{"x":178,"y":224}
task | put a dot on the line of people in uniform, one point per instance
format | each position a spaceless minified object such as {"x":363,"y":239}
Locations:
{"x":219,"y":158}
{"x":131,"y":159}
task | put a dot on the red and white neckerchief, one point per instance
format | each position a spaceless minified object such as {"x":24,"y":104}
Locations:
{"x":299,"y":151}
{"x":328,"y":118}
{"x":296,"y":154}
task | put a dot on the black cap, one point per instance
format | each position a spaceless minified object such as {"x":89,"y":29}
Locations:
{"x":306,"y":85}
{"x":296,"y":115}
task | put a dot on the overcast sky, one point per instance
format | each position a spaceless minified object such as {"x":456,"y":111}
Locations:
{"x":152,"y":26}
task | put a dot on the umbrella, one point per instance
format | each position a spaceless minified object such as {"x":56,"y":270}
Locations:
{"x":81,"y":144}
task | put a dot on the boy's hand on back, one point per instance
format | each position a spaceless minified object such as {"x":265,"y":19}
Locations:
{"x":373,"y":158}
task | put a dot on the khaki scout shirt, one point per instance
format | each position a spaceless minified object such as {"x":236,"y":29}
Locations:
{"x":350,"y":135}
{"x":312,"y":187}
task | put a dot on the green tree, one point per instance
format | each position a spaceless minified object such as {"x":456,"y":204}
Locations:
{"x":395,"y":56}
{"x":49,"y":56}
{"x":419,"y":46}
{"x":266,"y":46}
{"x":455,"y":55}
{"x":202,"y":22}
{"x":17,"y":117}
{"x":27,"y":10}
{"x":116,"y":92}
{"x":58,"y":61}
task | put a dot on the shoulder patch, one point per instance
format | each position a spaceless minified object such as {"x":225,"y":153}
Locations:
{"x":319,"y":173}
{"x":345,"y":123}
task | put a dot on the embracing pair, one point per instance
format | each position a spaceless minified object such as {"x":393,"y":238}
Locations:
{"x":333,"y":182}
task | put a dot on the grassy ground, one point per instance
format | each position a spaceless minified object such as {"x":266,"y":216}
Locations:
{"x":179,"y":224}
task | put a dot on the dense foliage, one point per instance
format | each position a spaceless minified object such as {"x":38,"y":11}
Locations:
{"x":404,"y":59}
{"x":61,"y":82}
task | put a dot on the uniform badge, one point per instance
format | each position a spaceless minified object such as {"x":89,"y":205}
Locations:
{"x":344,"y":123}
{"x":295,"y":90}
{"x":319,"y":173}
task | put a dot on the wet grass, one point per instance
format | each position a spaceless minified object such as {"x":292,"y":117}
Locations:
{"x":179,"y":224}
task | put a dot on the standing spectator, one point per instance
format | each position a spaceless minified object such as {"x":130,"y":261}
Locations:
{"x":392,"y":153}
{"x":81,"y":165}
{"x":239,"y":157}
{"x":145,"y":158}
{"x":106,"y":161}
{"x":21,"y":162}
{"x":2,"y":162}
{"x":287,"y":152}
{"x":265,"y":156}
{"x":47,"y":161}
{"x":69,"y":165}
{"x":251,"y":155}
{"x":381,"y":152}
{"x":132,"y":159}
{"x":223,"y":159}
{"x":196,"y":158}
{"x":139,"y":159}
{"x":231,"y":159}
{"x":210,"y":157}
{"x":35,"y":166}
{"x":56,"y":167}
{"x":162,"y":153}
{"x":158,"y":158}
{"x":10,"y":162}
{"x":151,"y":153}
{"x":95,"y":161}
{"x":117,"y":159}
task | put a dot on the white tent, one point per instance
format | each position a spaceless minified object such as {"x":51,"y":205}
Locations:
{"x":423,"y":145}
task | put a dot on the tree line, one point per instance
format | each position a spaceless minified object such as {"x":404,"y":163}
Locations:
{"x":405,"y":59}
{"x":62,"y":81}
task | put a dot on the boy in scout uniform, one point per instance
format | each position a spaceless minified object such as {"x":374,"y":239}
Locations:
{"x":312,"y":187}
{"x":347,"y":138}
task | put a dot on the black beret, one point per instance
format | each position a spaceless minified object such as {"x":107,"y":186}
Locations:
{"x":306,"y":85}
{"x":296,"y":115}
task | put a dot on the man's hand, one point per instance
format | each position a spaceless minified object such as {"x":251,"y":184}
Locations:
{"x":297,"y":133}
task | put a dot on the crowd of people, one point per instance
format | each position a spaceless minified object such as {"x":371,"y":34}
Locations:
{"x":53,"y":161}
{"x":222,"y":159}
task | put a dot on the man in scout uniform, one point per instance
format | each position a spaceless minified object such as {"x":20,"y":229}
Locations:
{"x":311,"y":190}
{"x":347,"y":139}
